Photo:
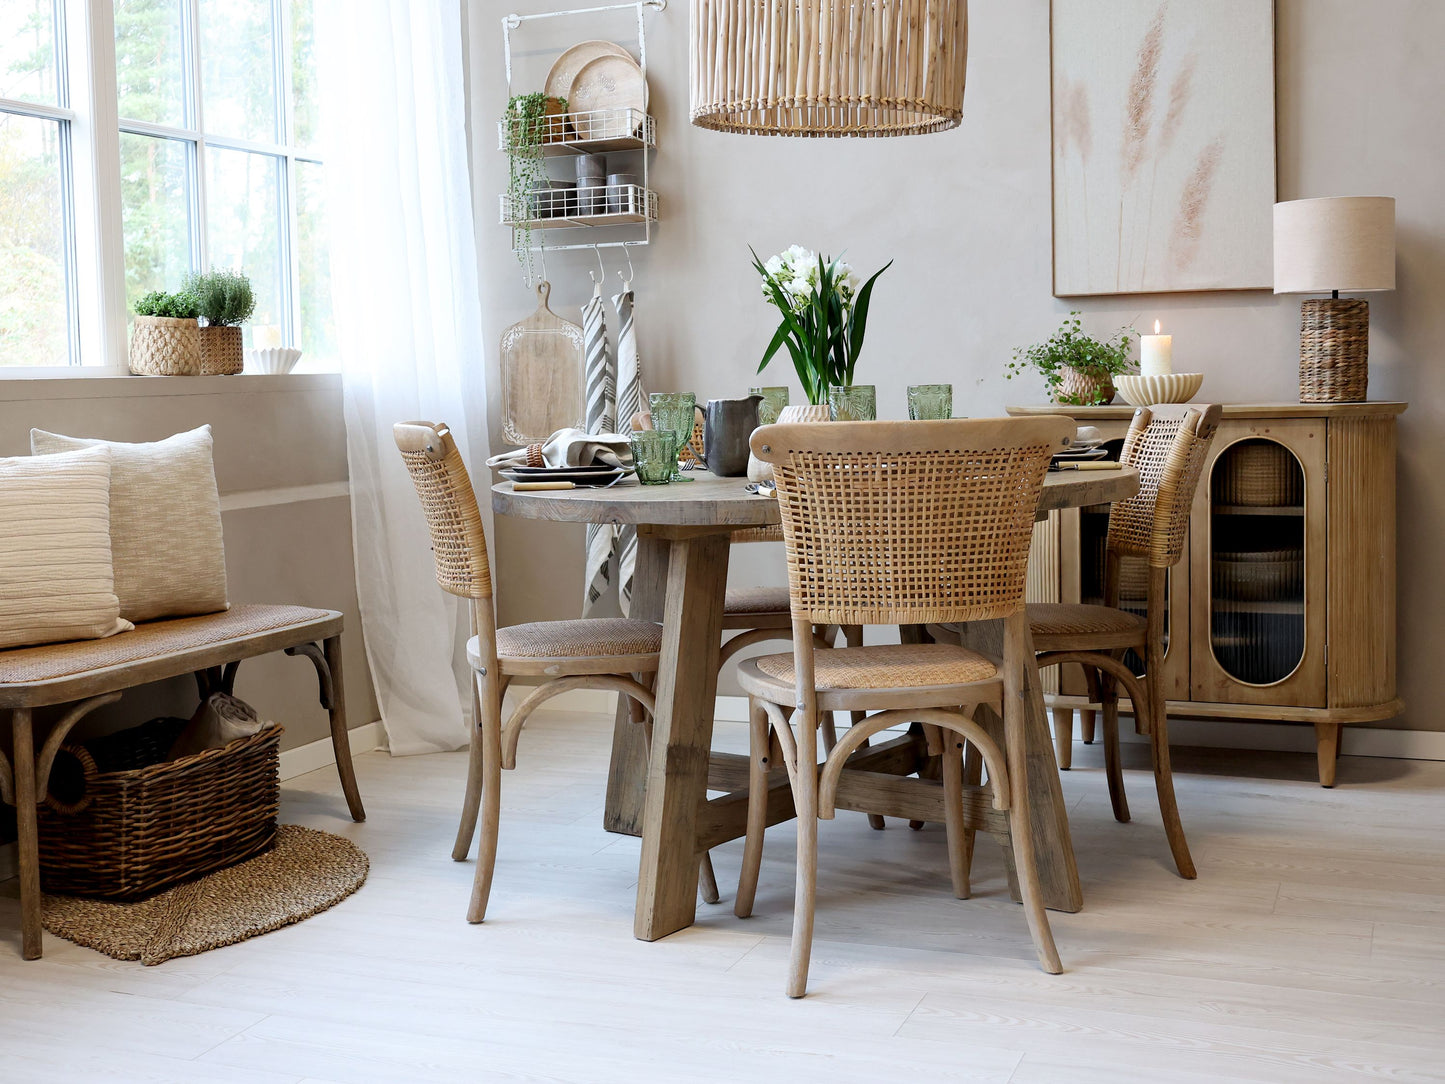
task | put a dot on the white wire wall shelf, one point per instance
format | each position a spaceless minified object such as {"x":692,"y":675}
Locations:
{"x":593,"y":132}
{"x":567,"y":208}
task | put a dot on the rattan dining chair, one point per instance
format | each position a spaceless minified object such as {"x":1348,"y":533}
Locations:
{"x":889,"y":523}
{"x":611,"y":653}
{"x":1168,"y":445}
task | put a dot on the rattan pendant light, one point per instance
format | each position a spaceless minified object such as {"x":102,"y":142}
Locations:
{"x":828,"y":67}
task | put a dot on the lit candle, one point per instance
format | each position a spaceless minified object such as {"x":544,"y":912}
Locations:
{"x":1155,"y":352}
{"x":266,"y":336}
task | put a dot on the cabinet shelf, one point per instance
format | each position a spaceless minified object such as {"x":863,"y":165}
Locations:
{"x":596,"y":131}
{"x":1259,"y":510}
{"x":1237,"y":606}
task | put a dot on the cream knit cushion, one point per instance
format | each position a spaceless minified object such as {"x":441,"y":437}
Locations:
{"x":55,"y":569}
{"x":165,"y":523}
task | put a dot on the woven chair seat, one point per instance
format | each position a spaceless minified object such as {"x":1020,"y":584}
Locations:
{"x":1074,"y":619}
{"x":584,"y":637}
{"x":756,"y":600}
{"x":151,"y":639}
{"x":884,"y":666}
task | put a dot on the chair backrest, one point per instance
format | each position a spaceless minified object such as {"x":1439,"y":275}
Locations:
{"x":1167,"y":445}
{"x":459,"y":544}
{"x":909,"y":522}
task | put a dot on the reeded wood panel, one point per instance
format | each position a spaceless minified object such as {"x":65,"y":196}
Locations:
{"x":1043,"y":578}
{"x":1362,"y":561}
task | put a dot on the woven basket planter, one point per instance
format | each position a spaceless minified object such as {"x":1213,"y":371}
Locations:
{"x":120,"y":822}
{"x":221,"y":353}
{"x":1085,"y":388}
{"x":163,"y":346}
{"x":1334,"y":350}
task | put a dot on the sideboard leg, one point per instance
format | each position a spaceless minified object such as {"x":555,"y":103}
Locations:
{"x":1327,"y":750}
{"x":1064,"y":737}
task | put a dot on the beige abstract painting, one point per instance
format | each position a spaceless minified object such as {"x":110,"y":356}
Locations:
{"x":1163,"y":145}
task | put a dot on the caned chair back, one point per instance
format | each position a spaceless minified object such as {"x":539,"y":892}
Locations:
{"x":909,"y":522}
{"x":1167,"y":445}
{"x":459,"y":544}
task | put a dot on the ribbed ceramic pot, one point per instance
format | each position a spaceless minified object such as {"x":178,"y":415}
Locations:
{"x":758,"y":471}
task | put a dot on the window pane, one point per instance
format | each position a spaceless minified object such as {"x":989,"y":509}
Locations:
{"x":305,"y":109}
{"x":34,"y":323}
{"x":27,"y":51}
{"x":243,"y":217}
{"x":149,"y":60}
{"x":238,"y":69}
{"x":155,"y":186}
{"x":316,"y":335}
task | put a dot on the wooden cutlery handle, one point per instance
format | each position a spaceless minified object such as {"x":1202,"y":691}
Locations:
{"x":523,"y":487}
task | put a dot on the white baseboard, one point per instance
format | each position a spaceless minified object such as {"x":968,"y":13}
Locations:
{"x":318,"y":754}
{"x":1207,"y":733}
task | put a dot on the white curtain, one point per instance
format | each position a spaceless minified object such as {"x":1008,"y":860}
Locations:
{"x":404,"y":286}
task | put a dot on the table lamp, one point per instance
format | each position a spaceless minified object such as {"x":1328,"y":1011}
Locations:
{"x":1325,"y":246}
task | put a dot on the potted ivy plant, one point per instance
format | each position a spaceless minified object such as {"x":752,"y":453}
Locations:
{"x":1078,"y":370}
{"x":165,"y":339}
{"x":224,"y":301}
{"x":524,"y":128}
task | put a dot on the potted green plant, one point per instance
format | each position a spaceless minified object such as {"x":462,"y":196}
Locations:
{"x":524,"y":127}
{"x":1078,"y":370}
{"x":825,"y":316}
{"x":165,"y":340}
{"x":225,"y":301}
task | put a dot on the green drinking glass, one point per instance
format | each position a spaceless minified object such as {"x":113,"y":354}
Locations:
{"x":853,"y":403}
{"x":930,"y":402}
{"x":675,"y":411}
{"x":654,"y":455}
{"x":774,"y":399}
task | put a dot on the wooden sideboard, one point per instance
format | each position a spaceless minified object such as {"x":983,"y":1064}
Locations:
{"x":1283,"y":607}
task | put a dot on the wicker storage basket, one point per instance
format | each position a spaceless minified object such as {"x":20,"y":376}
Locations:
{"x":1085,"y":389}
{"x":164,"y":346}
{"x":1261,"y":473}
{"x":119,"y":822}
{"x":221,"y":353}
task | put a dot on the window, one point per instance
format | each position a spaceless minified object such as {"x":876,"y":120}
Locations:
{"x":215,"y":164}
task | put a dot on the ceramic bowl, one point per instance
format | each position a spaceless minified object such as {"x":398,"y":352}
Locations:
{"x":275,"y":359}
{"x":1148,"y":390}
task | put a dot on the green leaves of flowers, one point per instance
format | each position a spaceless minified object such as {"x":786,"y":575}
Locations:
{"x":1070,"y":348}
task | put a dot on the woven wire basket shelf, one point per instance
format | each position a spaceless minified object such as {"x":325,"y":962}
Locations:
{"x":594,"y":131}
{"x":566,"y":208}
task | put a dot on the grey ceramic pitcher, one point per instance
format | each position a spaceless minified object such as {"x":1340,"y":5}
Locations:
{"x":727,"y":426}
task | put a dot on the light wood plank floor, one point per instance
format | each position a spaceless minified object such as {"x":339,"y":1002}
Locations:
{"x":1312,"y":948}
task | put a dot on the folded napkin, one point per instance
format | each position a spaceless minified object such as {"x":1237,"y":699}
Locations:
{"x":570,"y":448}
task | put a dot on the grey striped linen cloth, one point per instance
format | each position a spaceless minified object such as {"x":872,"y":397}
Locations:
{"x":631,"y":399}
{"x":601,"y":418}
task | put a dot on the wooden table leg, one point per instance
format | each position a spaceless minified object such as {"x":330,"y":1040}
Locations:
{"x":28,"y":830}
{"x":1053,"y":848}
{"x":681,"y":736}
{"x":627,"y":776}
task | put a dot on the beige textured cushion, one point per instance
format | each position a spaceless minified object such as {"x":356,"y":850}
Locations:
{"x":165,"y":523}
{"x":885,"y":666}
{"x":55,"y":567}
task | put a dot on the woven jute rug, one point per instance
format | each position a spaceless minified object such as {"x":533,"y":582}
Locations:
{"x":303,"y":874}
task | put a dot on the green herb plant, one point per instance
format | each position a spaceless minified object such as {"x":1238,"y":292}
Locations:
{"x":178,"y":306}
{"x":524,"y":123}
{"x":223,"y":298}
{"x":1070,"y":348}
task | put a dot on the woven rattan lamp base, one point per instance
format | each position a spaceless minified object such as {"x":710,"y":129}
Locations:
{"x":1334,"y":350}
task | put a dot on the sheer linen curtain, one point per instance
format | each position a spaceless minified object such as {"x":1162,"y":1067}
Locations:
{"x":404,"y":285}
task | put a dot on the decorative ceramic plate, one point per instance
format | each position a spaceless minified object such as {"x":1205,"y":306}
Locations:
{"x":565,"y":68}
{"x":608,"y":82}
{"x":1139,"y":390}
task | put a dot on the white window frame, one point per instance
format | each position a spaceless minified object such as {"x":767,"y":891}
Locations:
{"x":91,"y":130}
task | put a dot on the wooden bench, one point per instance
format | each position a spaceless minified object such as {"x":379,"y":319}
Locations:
{"x":88,"y":674}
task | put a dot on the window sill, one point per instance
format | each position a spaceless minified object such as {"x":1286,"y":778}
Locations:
{"x":18,"y":385}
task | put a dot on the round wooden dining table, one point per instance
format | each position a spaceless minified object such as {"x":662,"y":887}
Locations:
{"x":684,"y":532}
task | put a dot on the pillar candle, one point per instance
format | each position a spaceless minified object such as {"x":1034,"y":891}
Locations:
{"x":1155,"y":353}
{"x":265,"y":336}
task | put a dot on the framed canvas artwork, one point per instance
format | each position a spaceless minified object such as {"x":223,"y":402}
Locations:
{"x":1163,"y":145}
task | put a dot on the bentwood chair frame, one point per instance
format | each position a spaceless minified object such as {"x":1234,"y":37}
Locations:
{"x":900,"y":524}
{"x":607,"y":653}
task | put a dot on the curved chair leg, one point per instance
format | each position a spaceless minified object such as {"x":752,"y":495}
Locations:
{"x":972,"y":777}
{"x":950,"y":750}
{"x":707,"y":880}
{"x":759,"y":763}
{"x":805,"y":801}
{"x":472,"y":799}
{"x":1086,"y":715}
{"x":1113,"y":768}
{"x":491,"y":802}
{"x":327,"y":661}
{"x":853,"y":637}
{"x":1168,"y":807}
{"x":1064,"y":737}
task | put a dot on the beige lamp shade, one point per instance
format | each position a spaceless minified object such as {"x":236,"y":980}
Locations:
{"x":828,"y":67}
{"x":1338,"y":243}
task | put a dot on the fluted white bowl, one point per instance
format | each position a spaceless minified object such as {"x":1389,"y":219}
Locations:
{"x":1139,"y":390}
{"x":273,"y":359}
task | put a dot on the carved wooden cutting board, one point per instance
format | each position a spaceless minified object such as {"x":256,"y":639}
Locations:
{"x":542,"y":375}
